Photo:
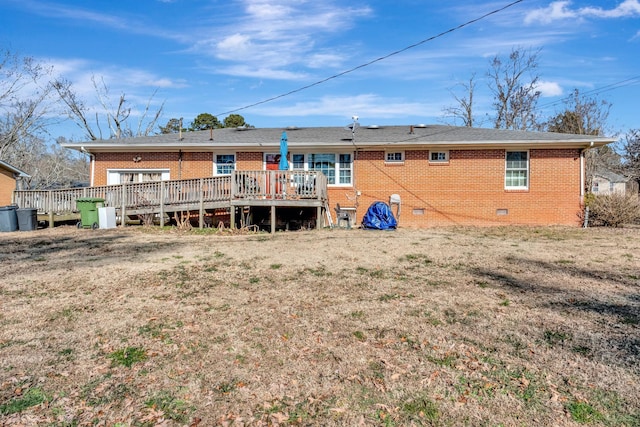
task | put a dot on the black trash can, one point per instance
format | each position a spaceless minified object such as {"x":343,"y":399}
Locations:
{"x":8,"y":218}
{"x":27,"y":219}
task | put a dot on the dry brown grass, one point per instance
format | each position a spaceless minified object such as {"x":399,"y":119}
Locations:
{"x":464,"y":326}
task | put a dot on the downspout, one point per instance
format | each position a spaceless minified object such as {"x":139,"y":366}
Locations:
{"x":92,"y":166}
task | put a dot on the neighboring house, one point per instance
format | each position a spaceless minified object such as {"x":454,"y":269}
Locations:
{"x":11,"y":179}
{"x":444,"y":175}
{"x":607,"y":182}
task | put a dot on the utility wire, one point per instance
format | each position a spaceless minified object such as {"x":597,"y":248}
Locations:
{"x":627,"y":82}
{"x":351,"y":70}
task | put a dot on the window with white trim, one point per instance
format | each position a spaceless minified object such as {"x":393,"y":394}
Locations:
{"x":517,"y":170}
{"x":325,"y":163}
{"x":297,"y":162}
{"x":225,"y":164}
{"x":344,"y":169}
{"x":338,"y":167}
{"x":394,"y":156}
{"x":130,"y":176}
{"x":438,"y":156}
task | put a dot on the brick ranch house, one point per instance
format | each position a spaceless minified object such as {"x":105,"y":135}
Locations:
{"x":444,"y":175}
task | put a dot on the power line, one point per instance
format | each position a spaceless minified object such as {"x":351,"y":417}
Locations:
{"x":397,"y":52}
{"x":617,"y":85}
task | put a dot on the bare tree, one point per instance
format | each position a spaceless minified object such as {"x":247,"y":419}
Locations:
{"x":28,"y":99}
{"x":582,"y":116}
{"x":585,"y":115}
{"x":25,"y":101}
{"x":463,"y":109}
{"x":631,"y":154}
{"x":514,"y":84}
{"x":115,"y":114}
{"x":58,"y":167}
{"x":49,"y":166}
{"x":76,"y":108}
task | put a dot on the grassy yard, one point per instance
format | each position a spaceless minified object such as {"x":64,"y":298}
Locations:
{"x":443,"y":327}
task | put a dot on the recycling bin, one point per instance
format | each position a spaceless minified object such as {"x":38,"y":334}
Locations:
{"x":8,"y":218}
{"x":88,"y":207}
{"x":27,"y":219}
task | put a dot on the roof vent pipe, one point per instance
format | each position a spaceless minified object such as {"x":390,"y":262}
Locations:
{"x":211,"y":134}
{"x":411,"y":130}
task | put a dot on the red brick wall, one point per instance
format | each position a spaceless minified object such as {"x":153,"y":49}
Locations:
{"x":246,"y":161}
{"x":469,"y":189}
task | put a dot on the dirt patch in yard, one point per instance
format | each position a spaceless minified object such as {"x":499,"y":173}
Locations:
{"x":458,"y":326}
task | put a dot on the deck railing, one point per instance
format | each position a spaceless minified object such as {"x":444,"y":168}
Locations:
{"x":279,"y":184}
{"x":186,"y":192}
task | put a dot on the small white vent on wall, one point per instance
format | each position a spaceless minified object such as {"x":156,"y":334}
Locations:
{"x":502,"y":212}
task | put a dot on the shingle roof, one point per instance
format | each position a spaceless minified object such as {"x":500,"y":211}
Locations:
{"x":14,"y":169}
{"x":366,"y":137}
{"x":611,"y":176}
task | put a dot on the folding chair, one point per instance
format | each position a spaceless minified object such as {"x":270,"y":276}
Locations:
{"x":342,"y":215}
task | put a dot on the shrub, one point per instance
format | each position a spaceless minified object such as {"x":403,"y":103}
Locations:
{"x":613,"y":210}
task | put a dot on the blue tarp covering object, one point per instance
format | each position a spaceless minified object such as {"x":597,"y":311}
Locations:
{"x":379,"y":217}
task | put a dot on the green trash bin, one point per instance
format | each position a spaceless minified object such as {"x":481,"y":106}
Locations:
{"x":88,"y":207}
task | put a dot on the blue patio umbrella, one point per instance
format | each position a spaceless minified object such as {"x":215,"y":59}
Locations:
{"x":284,"y":164}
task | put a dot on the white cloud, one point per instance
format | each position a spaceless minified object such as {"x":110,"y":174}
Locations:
{"x":561,"y":10}
{"x":557,"y":10}
{"x":85,"y":16}
{"x":81,"y":71}
{"x":234,"y":46}
{"x":324,"y":60}
{"x":241,"y":70}
{"x":367,"y":106}
{"x":549,"y":88}
{"x":278,"y":35}
{"x":628,"y":8}
{"x":268,"y":10}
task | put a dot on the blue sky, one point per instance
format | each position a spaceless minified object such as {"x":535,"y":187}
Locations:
{"x":219,"y":56}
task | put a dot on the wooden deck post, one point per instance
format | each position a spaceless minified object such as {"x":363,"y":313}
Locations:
{"x":201,"y":219}
{"x":123,"y":209}
{"x":51,"y":213}
{"x":273,"y":219}
{"x":161,"y":204}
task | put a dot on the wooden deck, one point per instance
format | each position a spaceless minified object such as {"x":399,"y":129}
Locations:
{"x":241,"y":190}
